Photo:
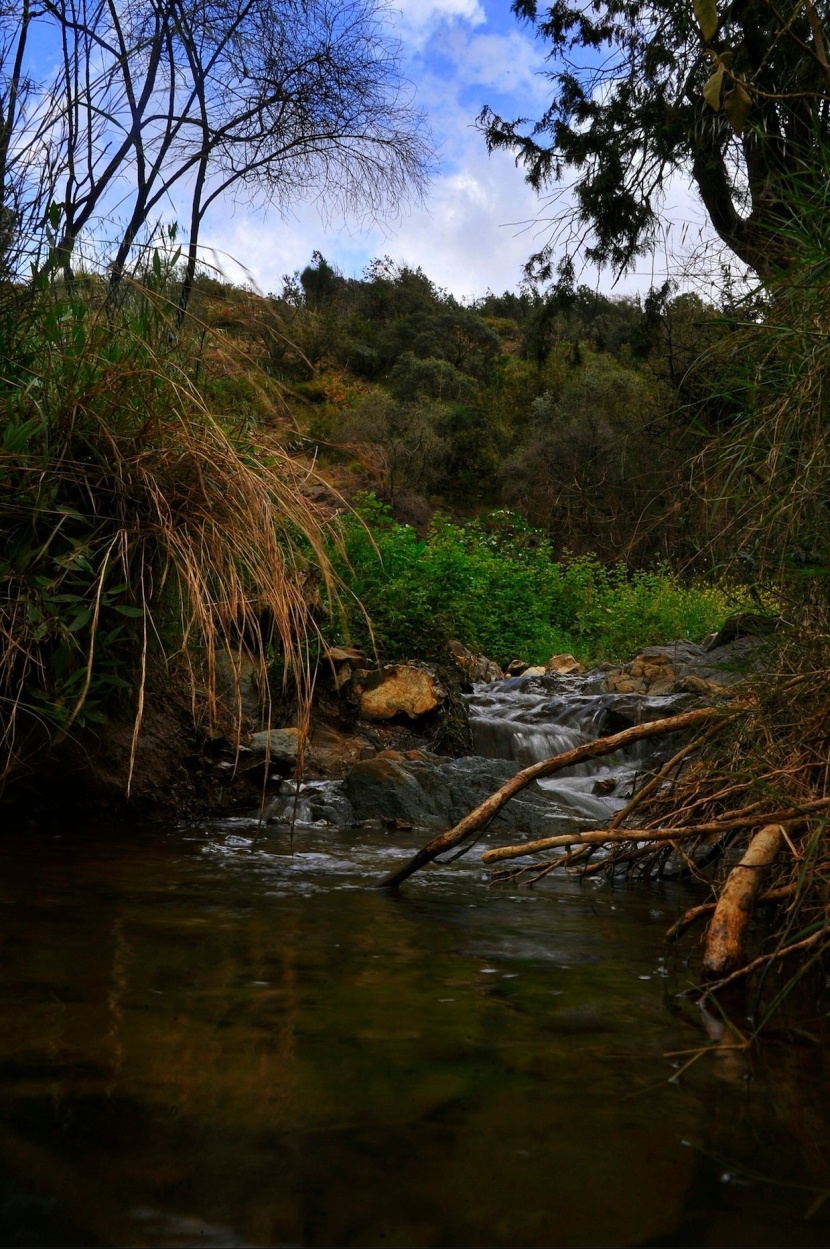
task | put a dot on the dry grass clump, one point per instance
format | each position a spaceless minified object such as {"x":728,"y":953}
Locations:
{"x":135,"y":524}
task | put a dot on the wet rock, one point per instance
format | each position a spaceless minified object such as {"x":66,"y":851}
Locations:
{"x":386,"y":789}
{"x":622,"y":711}
{"x":437,"y":796}
{"x":315,"y":802}
{"x":516,"y":667}
{"x":475,"y":667}
{"x":399,"y":689}
{"x":683,"y":667}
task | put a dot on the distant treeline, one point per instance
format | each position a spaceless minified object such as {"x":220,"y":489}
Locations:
{"x":578,"y":410}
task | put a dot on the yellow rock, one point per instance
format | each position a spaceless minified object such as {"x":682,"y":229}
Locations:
{"x":566,"y":665}
{"x":399,"y":688}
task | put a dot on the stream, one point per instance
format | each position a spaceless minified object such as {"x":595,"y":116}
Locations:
{"x":210,"y":1036}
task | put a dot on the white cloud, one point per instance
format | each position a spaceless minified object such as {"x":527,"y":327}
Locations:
{"x":417,"y":20}
{"x":510,"y":63}
{"x":481,"y":220}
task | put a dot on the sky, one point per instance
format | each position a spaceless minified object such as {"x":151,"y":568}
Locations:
{"x":480,"y":220}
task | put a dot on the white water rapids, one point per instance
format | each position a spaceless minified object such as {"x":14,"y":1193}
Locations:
{"x":530,"y":719}
{"x":522,"y":720}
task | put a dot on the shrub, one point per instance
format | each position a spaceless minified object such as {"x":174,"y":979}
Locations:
{"x":494,"y":585}
{"x":133,"y":523}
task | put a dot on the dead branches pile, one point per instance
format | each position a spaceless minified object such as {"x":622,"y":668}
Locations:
{"x":742,"y":805}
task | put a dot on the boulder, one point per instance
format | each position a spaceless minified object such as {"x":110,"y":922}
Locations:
{"x":683,"y":667}
{"x":345,"y":654}
{"x":476,"y":667}
{"x":564,"y":665}
{"x":485,"y":669}
{"x":742,"y":625}
{"x":386,"y":789}
{"x":437,"y":795}
{"x":344,"y":661}
{"x":516,"y":667}
{"x":280,"y":745}
{"x":644,"y":675}
{"x":399,"y":689}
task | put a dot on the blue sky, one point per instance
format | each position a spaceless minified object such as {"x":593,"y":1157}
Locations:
{"x":480,"y":221}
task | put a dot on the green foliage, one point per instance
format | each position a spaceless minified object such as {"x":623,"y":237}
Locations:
{"x":569,"y":406}
{"x":494,"y":585}
{"x":622,"y":120}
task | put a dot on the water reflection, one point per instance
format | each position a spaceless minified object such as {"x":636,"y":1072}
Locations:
{"x":207,"y":1042}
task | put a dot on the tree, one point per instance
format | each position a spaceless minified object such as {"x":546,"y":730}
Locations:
{"x":160,"y":101}
{"x":736,"y":95}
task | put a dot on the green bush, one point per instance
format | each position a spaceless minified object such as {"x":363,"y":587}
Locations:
{"x":494,"y":584}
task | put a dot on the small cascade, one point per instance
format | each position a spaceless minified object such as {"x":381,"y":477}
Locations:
{"x":521,"y":720}
{"x":528,"y":719}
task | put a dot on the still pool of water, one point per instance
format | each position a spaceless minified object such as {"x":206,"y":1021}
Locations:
{"x":207,"y":1043}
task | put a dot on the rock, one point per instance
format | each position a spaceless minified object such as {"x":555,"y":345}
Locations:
{"x":476,"y":667}
{"x":653,"y":675}
{"x":538,"y":670}
{"x":343,"y":661}
{"x":485,"y":669}
{"x":565,"y":665}
{"x":399,"y":689}
{"x":683,"y":667}
{"x":459,"y":652}
{"x":386,"y":789}
{"x":345,"y":654}
{"x":621,"y":711}
{"x":707,"y":689}
{"x":437,"y":795}
{"x":516,"y":667}
{"x":315,"y":802}
{"x":237,"y":684}
{"x":741,"y":625}
{"x":279,"y":744}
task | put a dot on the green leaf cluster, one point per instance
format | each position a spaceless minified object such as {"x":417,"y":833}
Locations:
{"x":494,"y":584}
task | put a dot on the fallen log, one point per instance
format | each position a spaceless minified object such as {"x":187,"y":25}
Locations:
{"x":591,"y":837}
{"x":763,"y":959}
{"x":727,"y":931}
{"x":482,"y":814}
{"x":611,"y":836}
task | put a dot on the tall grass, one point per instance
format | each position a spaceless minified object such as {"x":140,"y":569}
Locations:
{"x":136,"y":529}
